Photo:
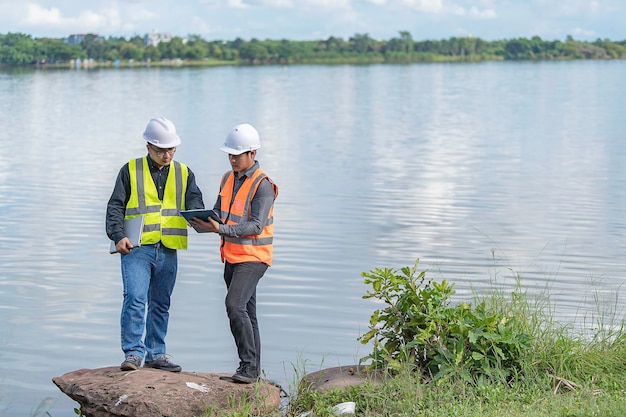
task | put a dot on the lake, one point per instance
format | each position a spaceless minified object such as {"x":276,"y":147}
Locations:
{"x":484,"y":172}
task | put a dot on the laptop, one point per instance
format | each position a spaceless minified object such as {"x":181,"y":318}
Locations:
{"x":133,"y":228}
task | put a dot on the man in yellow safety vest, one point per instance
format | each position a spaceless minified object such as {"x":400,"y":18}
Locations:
{"x":157,"y":188}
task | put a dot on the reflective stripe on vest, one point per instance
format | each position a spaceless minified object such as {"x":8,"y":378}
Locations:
{"x":252,"y":248}
{"x":162,"y":222}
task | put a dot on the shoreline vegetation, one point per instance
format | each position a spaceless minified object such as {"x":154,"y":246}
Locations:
{"x":506,"y":353}
{"x":18,"y":50}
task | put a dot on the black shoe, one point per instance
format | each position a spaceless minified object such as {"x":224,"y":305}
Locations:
{"x":246,"y":375}
{"x":163,"y":363}
{"x":131,"y":363}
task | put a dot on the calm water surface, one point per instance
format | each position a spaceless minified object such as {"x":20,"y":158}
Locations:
{"x":482,"y":171}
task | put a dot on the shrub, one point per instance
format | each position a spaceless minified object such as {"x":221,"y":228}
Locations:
{"x":420,"y":327}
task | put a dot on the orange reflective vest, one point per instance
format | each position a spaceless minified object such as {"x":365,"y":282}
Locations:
{"x":252,"y":248}
{"x":162,"y":220}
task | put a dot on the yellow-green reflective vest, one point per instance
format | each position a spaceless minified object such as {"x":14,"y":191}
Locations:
{"x":162,"y":221}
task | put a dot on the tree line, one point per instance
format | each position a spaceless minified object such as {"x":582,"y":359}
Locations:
{"x":17,"y":49}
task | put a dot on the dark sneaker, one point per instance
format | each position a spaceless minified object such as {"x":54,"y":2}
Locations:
{"x":131,"y":363}
{"x":246,"y":375}
{"x":163,"y":363}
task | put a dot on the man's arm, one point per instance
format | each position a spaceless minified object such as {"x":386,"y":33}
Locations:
{"x":193,"y":196}
{"x":116,"y":207}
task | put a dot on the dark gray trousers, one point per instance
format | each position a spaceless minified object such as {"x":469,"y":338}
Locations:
{"x":241,"y":280}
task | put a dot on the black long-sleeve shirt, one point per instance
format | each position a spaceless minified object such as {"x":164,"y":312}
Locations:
{"x":116,"y":208}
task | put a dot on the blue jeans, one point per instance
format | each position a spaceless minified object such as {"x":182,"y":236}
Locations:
{"x":149,"y":275}
{"x":241,"y":281}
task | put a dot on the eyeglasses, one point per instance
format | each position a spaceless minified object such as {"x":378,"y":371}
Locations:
{"x":162,"y":152}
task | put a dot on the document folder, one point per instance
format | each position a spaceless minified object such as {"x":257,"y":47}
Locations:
{"x":133,"y":228}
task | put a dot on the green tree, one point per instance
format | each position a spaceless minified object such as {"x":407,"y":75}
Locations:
{"x":94,"y":47}
{"x":137,"y":41}
{"x":568,"y":49}
{"x":20,"y":49}
{"x":173,"y":49}
{"x":253,"y":51}
{"x":518,"y":49}
{"x":130,"y":50}
{"x":612,"y":49}
{"x":215,"y":50}
{"x":56,"y":50}
{"x":362,"y":43}
{"x":197,"y":48}
{"x":17,"y":49}
{"x":334,"y":44}
{"x":152,"y":53}
{"x":407,"y":41}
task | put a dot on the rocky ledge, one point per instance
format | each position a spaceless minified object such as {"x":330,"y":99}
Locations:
{"x":110,"y":392}
{"x":339,"y":378}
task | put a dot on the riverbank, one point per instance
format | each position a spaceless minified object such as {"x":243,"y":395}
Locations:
{"x":560,"y":372}
{"x":186,"y":63}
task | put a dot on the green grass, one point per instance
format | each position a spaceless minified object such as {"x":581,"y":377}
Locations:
{"x":406,"y":396}
{"x":568,"y":372}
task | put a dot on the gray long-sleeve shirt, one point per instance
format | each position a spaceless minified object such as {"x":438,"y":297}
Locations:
{"x":259,"y":207}
{"x":116,"y":207}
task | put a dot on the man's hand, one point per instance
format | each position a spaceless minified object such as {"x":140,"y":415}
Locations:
{"x":124,"y":246}
{"x":208,"y":226}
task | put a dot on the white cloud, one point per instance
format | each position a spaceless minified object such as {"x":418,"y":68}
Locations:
{"x":279,"y":3}
{"x":579,"y":32}
{"x":484,"y":8}
{"x":581,"y":8}
{"x":140,"y":13}
{"x":199,"y":25}
{"x":238,"y":4}
{"x":111,"y":18}
{"x":428,"y":6}
{"x":306,"y":19}
{"x":325,"y":4}
{"x":38,"y":16}
{"x":483,"y":14}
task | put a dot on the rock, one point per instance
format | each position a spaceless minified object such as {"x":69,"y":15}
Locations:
{"x":339,"y":377}
{"x":108,"y":392}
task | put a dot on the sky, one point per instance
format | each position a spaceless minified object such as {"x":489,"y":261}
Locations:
{"x":585,"y":20}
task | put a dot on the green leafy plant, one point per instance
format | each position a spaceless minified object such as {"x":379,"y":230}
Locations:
{"x":420,"y":327}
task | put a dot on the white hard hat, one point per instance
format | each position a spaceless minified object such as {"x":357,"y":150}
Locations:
{"x":241,"y":138}
{"x":161,"y":133}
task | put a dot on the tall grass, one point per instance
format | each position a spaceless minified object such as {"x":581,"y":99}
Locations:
{"x":569,"y":371}
{"x":592,"y":355}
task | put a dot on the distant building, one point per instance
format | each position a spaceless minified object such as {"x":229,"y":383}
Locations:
{"x":153,"y":39}
{"x":77,"y":38}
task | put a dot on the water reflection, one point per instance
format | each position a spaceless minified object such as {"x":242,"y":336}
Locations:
{"x":485,"y":172}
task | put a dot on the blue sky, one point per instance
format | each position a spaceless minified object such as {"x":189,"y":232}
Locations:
{"x":319,"y":19}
